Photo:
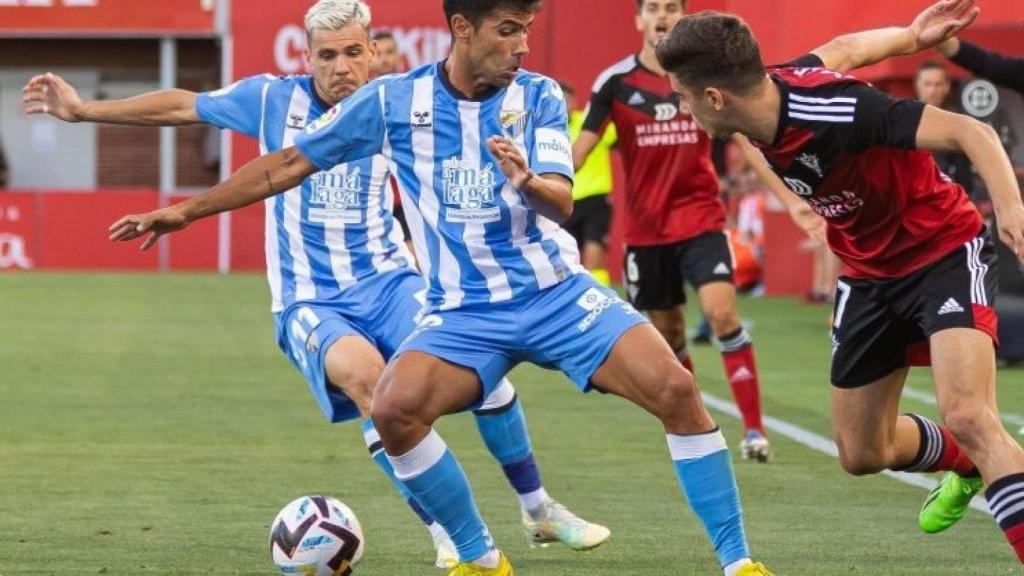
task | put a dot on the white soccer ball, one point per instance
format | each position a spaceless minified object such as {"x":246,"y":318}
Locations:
{"x":316,"y":536}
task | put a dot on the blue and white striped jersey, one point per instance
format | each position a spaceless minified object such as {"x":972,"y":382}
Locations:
{"x":477,"y":238}
{"x":337,"y":227}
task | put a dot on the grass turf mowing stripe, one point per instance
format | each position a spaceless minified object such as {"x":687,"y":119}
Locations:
{"x":826,"y":446}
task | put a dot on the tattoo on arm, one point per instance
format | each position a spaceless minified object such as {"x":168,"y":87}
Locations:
{"x":270,"y":183}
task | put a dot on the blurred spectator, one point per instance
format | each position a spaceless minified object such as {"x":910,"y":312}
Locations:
{"x":1002,"y":70}
{"x":932,"y":86}
{"x":592,"y":213}
{"x":5,"y":173}
{"x":744,"y":197}
{"x":389,"y":59}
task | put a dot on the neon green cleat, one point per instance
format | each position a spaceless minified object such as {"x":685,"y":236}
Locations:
{"x":553,"y":522}
{"x":469,"y":569}
{"x":755,"y":569}
{"x":948,"y":502}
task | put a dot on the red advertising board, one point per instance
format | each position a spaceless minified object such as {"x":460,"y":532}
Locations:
{"x":107,"y":17}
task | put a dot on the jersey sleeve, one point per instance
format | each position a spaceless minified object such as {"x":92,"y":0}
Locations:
{"x":1002,"y":70}
{"x":809,"y":60}
{"x":236,"y":107}
{"x":878,"y":118}
{"x":552,"y":152}
{"x":599,"y":110}
{"x":351,"y":130}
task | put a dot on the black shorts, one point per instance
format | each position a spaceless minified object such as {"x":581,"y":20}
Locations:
{"x":655,"y":274}
{"x":590,"y":220}
{"x":399,"y":214}
{"x":882,"y":325}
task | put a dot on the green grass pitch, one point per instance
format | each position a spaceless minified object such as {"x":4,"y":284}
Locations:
{"x":149,"y":425}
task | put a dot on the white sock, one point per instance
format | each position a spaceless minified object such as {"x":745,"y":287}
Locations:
{"x":437,"y":533}
{"x":489,"y":560}
{"x":534,"y":500}
{"x":733,"y":568}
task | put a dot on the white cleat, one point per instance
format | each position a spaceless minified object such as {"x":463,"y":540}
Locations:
{"x":447,"y":555}
{"x":755,"y":446}
{"x":553,"y":522}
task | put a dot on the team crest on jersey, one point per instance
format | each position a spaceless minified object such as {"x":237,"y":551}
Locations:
{"x":336,"y":197}
{"x":469,"y":192}
{"x":812,"y":162}
{"x":324,"y":120}
{"x":513,"y":123}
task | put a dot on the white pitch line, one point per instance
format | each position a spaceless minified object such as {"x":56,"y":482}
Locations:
{"x":826,"y":446}
{"x":929,"y":398}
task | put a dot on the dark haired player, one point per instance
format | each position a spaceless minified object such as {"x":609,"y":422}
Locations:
{"x":674,"y":219}
{"x":919,"y":260}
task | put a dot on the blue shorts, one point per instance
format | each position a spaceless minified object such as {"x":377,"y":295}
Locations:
{"x":571,"y":327}
{"x":382,"y":309}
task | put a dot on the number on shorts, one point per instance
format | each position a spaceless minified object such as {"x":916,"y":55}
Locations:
{"x":632,"y":270}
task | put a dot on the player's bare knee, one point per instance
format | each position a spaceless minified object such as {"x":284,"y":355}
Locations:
{"x":676,"y":392}
{"x":970,"y":425}
{"x":861,"y":461}
{"x":394,"y":412}
{"x":723,"y":321}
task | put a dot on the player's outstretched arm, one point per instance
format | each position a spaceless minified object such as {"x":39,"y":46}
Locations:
{"x":941,"y":130}
{"x":1003,"y":70}
{"x":549,"y":194}
{"x":582,"y":147}
{"x":935,"y":24}
{"x":801,"y":213}
{"x":261,"y":178}
{"x":50,"y":94}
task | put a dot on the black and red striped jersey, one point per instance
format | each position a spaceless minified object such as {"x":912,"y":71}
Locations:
{"x":672,"y":190}
{"x":847,"y":149}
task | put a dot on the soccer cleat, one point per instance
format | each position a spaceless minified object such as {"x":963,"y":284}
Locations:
{"x":755,"y":569}
{"x":469,"y":569}
{"x":755,"y":446}
{"x":447,"y":555}
{"x":948,"y":502}
{"x":553,"y":522}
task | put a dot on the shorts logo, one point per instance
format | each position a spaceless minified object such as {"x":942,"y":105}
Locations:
{"x":950,"y":307}
{"x":596,"y":303}
{"x":722,"y":269}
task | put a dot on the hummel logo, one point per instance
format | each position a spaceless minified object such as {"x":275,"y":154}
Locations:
{"x":296,"y":121}
{"x":422,"y":119}
{"x":636,"y":99}
{"x":742,"y":373}
{"x":722,"y":269}
{"x":950,"y":307}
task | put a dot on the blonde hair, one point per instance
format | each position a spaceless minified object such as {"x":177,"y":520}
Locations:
{"x":337,"y":14}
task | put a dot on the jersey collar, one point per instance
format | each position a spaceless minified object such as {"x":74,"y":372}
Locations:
{"x":442,"y":73}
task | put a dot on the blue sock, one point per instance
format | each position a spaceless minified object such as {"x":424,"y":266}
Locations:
{"x":502,"y":425}
{"x":705,"y":474}
{"x":376,"y":447}
{"x":437,"y":482}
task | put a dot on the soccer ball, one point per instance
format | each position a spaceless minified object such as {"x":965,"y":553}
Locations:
{"x":316,"y":536}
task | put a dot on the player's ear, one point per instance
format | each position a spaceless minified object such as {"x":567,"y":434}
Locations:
{"x":462,"y":28}
{"x":714,"y":98}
